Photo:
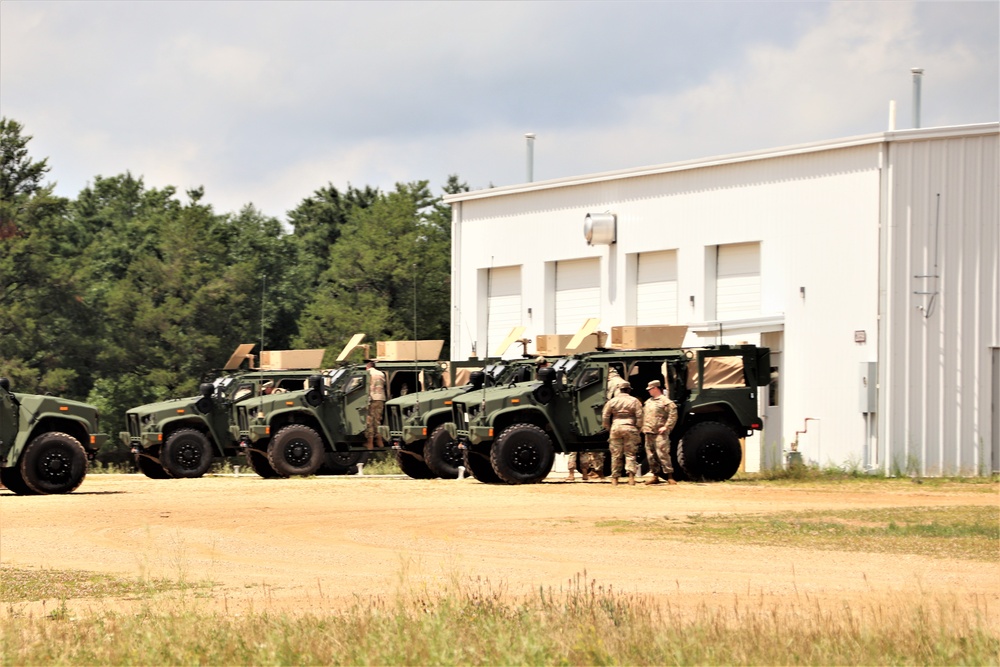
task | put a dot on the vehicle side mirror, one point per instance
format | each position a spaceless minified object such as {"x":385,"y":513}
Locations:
{"x":477,"y":378}
{"x":5,"y":383}
{"x":207,"y":389}
{"x":204,"y":404}
{"x":545,"y":392}
{"x":315,"y":394}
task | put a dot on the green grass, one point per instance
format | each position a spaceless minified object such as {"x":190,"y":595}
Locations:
{"x":480,"y":624}
{"x":25,"y":585}
{"x":967,"y":532}
{"x":382,"y":463}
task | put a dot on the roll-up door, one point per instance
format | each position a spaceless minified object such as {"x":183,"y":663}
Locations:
{"x":656,"y":288}
{"x":504,"y":306}
{"x":578,"y":293}
{"x":737,"y":282}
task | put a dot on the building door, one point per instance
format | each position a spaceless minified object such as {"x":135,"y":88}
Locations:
{"x":737,"y":284}
{"x":772,"y":455}
{"x":578,"y":293}
{"x":504,"y":307}
{"x":656,"y":288}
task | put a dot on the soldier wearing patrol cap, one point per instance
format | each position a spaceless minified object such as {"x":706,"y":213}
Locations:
{"x":376,"y":403}
{"x":622,"y":416}
{"x":659,"y":415}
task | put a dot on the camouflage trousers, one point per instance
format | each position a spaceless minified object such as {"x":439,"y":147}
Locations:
{"x":585,"y":461}
{"x":624,"y":442}
{"x":374,"y":418}
{"x":658,"y":453}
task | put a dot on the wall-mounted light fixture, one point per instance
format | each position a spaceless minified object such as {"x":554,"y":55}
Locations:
{"x":600,"y":228}
{"x":691,"y":299}
{"x":802,"y":292}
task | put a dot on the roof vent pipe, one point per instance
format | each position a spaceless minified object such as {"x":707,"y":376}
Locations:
{"x":918,"y":74}
{"x":530,"y":136}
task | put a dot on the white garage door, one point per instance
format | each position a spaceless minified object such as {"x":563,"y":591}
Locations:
{"x":656,"y":288}
{"x":578,"y":293}
{"x":504,"y":307}
{"x":737,"y":285}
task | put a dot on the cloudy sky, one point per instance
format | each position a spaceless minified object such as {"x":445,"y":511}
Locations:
{"x":265,"y":102}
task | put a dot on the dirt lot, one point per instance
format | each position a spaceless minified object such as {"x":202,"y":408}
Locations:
{"x":318,"y":543}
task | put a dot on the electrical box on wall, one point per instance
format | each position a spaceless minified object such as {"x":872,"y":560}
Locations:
{"x":867,"y":379}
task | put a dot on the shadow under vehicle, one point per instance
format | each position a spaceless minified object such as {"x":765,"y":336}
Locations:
{"x":511,"y":434}
{"x":180,"y":438}
{"x":299,"y":432}
{"x":45,"y":442}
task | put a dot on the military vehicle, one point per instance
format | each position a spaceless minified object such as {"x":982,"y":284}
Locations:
{"x":416,"y":425}
{"x":45,"y":442}
{"x":298,"y":432}
{"x":511,"y":434}
{"x":181,"y":437}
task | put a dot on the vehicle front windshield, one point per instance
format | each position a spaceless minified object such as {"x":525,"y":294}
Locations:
{"x":334,"y":377}
{"x":221,"y":385}
{"x":565,"y":366}
{"x":495,"y":370}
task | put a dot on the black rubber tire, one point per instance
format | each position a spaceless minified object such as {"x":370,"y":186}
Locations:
{"x":295,"y":450}
{"x":186,"y":453}
{"x":53,"y":463}
{"x":11,"y":478}
{"x":523,"y":454}
{"x":709,"y":451}
{"x":477,"y":462}
{"x":342,"y":463}
{"x":442,"y":455}
{"x":410,"y":461}
{"x":259,"y":464}
{"x":151,"y":468}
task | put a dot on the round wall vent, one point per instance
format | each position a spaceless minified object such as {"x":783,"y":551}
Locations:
{"x":599,"y":228}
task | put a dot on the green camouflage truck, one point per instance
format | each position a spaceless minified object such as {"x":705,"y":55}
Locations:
{"x":416,"y":424}
{"x":45,"y":442}
{"x":180,"y":438}
{"x":511,"y":434}
{"x":299,"y":432}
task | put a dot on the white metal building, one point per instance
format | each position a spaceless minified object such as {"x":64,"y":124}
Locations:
{"x":869,"y":265}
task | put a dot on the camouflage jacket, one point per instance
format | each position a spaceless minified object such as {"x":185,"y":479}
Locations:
{"x":376,"y":385}
{"x":623,"y":409}
{"x":657,"y":413}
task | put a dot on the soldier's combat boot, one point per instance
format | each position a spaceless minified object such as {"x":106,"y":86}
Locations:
{"x":631,"y":479}
{"x":379,"y":441}
{"x":570,"y":477}
{"x":671,"y":480}
{"x":614,"y":481}
{"x":655,"y":479}
{"x":368,"y":444}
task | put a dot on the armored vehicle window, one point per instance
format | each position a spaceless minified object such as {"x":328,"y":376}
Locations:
{"x":333,"y":378}
{"x":354,"y":384}
{"x":589,"y":377}
{"x":244,"y":391}
{"x":642,"y":373}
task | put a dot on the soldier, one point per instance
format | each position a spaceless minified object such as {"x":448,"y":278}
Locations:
{"x":659,"y":415}
{"x":615,"y":382}
{"x":571,"y":460}
{"x":540,"y":363}
{"x":376,"y":402}
{"x":622,"y":416}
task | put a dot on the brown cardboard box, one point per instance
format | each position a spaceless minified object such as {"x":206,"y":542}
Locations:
{"x":555,"y":344}
{"x":287,"y":359}
{"x":647,"y":337}
{"x":408,"y":350}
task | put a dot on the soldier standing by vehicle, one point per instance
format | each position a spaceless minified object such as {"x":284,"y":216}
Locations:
{"x":376,"y":403}
{"x":622,"y":416}
{"x":659,"y":415}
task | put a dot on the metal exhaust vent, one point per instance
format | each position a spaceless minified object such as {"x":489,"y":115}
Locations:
{"x":600,"y":228}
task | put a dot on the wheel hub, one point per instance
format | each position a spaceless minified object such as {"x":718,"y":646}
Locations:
{"x":54,"y":465}
{"x":297,"y":452}
{"x":188,"y":456}
{"x":524,"y":458}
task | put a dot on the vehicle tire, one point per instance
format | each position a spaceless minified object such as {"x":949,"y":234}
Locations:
{"x":11,"y":478}
{"x":523,"y":454}
{"x":442,"y":455}
{"x":709,"y":451}
{"x":411,"y":462}
{"x":342,"y":463}
{"x":295,"y":450}
{"x":151,"y":468}
{"x":259,"y":464}
{"x":477,"y":461}
{"x":53,"y":463}
{"x":187,"y":453}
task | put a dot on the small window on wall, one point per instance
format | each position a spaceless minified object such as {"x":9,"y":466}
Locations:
{"x":737,"y":281}
{"x":656,"y":288}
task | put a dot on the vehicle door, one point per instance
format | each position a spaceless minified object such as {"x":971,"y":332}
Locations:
{"x":355,"y":401}
{"x":8,"y":419}
{"x":589,"y":386}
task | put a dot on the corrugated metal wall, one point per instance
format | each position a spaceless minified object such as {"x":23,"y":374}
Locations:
{"x":941,"y":318}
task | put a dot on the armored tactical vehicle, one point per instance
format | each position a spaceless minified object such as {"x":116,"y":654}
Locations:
{"x":511,"y":434}
{"x":298,"y":432}
{"x":45,"y":442}
{"x":182,"y":437}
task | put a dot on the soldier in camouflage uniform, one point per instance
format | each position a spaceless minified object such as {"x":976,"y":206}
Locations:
{"x":376,"y":403}
{"x":615,"y":382}
{"x":659,"y":415}
{"x":623,"y":417}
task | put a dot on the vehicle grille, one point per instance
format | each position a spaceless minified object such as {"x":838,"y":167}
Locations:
{"x":458,"y":416}
{"x":133,"y":425}
{"x":242,"y":419}
{"x":395,"y":418}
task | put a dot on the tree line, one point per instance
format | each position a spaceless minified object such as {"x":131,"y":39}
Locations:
{"x":128,"y":294}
